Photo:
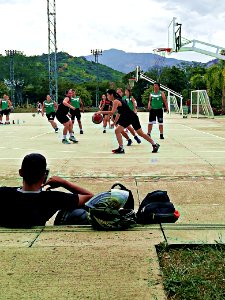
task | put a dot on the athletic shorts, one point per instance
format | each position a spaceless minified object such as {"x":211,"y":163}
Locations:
{"x":51,"y":116}
{"x":125,"y":122}
{"x":62,"y":118}
{"x":106,"y":107}
{"x":156,"y":113}
{"x":5,"y":112}
{"x":75,"y":113}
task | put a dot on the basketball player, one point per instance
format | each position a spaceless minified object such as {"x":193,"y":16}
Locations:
{"x":124,"y":118}
{"x":78,"y":104}
{"x":105,"y":105}
{"x":5,"y":109}
{"x":155,"y":107}
{"x":50,"y":107}
{"x":62,"y":117}
{"x":130,"y":128}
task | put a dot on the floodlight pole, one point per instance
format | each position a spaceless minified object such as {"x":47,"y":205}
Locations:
{"x":52,"y":50}
{"x":96,"y":53}
{"x":11,"y":54}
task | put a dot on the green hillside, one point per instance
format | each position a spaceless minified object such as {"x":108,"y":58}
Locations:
{"x":76,"y":69}
{"x":32,"y":71}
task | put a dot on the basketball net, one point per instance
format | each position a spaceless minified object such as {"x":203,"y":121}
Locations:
{"x":160,"y":58}
{"x":131,"y":82}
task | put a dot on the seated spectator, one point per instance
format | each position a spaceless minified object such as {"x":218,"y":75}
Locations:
{"x":30,"y":205}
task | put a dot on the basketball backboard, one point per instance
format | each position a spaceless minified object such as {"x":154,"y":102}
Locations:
{"x":174,"y":35}
{"x":137,"y":73}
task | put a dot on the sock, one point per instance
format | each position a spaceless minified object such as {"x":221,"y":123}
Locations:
{"x":64,"y":137}
{"x":121,"y":147}
{"x":71,"y":134}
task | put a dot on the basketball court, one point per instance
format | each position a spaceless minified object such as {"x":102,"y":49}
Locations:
{"x":190,"y":163}
{"x":78,"y":262}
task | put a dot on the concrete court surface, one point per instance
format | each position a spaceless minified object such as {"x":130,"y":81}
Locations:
{"x":190,"y":165}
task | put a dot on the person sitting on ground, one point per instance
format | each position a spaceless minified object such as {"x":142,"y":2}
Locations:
{"x":30,"y":205}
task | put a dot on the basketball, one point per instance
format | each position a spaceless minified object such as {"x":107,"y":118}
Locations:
{"x":97,"y":118}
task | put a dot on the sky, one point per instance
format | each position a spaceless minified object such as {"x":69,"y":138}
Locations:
{"x":128,"y":25}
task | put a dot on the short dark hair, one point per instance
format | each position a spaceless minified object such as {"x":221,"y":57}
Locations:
{"x":33,"y":167}
{"x":157,"y":83}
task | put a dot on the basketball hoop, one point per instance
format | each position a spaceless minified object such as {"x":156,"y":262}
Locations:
{"x":131,"y":82}
{"x":163,"y":51}
{"x":160,"y":58}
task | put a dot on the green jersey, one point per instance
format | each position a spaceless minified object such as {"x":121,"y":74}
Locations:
{"x":129,"y":102}
{"x":5,"y":104}
{"x":157,"y":100}
{"x":75,"y":102}
{"x":49,"y":107}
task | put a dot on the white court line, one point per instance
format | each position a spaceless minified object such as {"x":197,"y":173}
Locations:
{"x":34,"y":137}
{"x":211,"y":151}
{"x":201,"y":131}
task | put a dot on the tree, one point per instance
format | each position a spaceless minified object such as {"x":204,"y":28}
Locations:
{"x":3,"y":89}
{"x":222,"y":64}
{"x":214,"y":85}
{"x":198,"y":82}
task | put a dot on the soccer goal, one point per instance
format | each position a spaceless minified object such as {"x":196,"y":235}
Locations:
{"x":173,"y":104}
{"x":200,"y":105}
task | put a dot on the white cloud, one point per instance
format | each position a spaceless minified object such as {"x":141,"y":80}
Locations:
{"x":129,"y":25}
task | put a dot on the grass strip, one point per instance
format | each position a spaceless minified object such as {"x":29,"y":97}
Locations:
{"x":193,"y":271}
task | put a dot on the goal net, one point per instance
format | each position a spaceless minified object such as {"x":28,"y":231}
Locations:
{"x":173,"y":104}
{"x":200,"y":105}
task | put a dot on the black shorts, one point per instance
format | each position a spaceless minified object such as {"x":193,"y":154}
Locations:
{"x":5,"y":112}
{"x":75,"y":113}
{"x":125,"y":122}
{"x":156,"y":113}
{"x":62,"y":118}
{"x":51,"y":116}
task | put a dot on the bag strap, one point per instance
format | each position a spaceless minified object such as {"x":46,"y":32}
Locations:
{"x":130,"y":200}
{"x":122,"y":187}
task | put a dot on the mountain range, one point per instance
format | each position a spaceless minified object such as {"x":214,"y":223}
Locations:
{"x":127,"y":62}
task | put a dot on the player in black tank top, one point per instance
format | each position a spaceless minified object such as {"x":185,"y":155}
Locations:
{"x":125,"y":118}
{"x":62,"y":116}
{"x":129,"y":128}
{"x":105,"y":105}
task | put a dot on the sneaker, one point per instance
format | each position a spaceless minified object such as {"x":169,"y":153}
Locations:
{"x":56,"y":130}
{"x":137,"y":139}
{"x":155,"y":148}
{"x":81,"y":131}
{"x":161,"y":137}
{"x":129,"y":142}
{"x":1,"y":123}
{"x":65,"y":141}
{"x":104,"y":131}
{"x":72,"y":139}
{"x":118,"y":151}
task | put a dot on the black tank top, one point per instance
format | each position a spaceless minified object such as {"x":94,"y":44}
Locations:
{"x":124,"y":109}
{"x":63,"y":109}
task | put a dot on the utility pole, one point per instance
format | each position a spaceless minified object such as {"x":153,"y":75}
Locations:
{"x":11,"y":54}
{"x":96,"y":53}
{"x":52,"y":51}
